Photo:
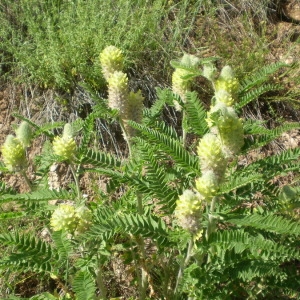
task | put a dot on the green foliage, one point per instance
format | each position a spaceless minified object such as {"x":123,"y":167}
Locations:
{"x":195,"y":114}
{"x":63,"y":245}
{"x":29,"y":253}
{"x":241,"y":241}
{"x":83,"y":286}
{"x":109,"y":222}
{"x":273,"y":223}
{"x":43,"y":195}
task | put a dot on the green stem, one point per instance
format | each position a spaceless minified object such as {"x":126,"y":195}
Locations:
{"x":126,"y":137}
{"x":211,"y":227}
{"x":100,"y":282}
{"x":23,"y":173}
{"x":75,"y":176}
{"x":141,"y":245}
{"x":184,"y":133}
{"x":144,"y":273}
{"x":184,"y":264}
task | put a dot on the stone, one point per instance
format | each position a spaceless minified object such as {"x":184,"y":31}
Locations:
{"x":291,"y":9}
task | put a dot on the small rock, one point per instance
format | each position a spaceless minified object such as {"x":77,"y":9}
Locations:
{"x":291,"y":9}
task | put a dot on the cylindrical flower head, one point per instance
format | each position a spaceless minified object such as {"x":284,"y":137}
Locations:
{"x":180,"y":85}
{"x":134,"y":107}
{"x":84,"y":217}
{"x":64,"y":147}
{"x":64,"y":218}
{"x":227,"y":82}
{"x":207,"y":185}
{"x":224,"y":97}
{"x":217,"y":112}
{"x":229,"y":127}
{"x":24,"y":134}
{"x":118,"y":91}
{"x":232,"y":136}
{"x":112,"y":60}
{"x":188,"y":211}
{"x":133,"y":111}
{"x":13,"y":154}
{"x":211,"y":155}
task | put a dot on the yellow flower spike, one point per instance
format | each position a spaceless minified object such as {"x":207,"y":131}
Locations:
{"x":229,"y":127}
{"x":211,"y":155}
{"x":64,"y":218}
{"x":84,"y":217}
{"x":207,"y":185}
{"x":227,"y":82}
{"x":232,"y":136}
{"x":118,"y":91}
{"x":13,"y":154}
{"x":112,"y":60}
{"x":188,"y":211}
{"x":224,"y":97}
{"x":180,"y":86}
{"x":65,"y":146}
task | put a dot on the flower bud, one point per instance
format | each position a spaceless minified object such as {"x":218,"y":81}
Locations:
{"x":13,"y":154}
{"x":207,"y":185}
{"x":133,"y":110}
{"x":209,"y":71}
{"x":24,"y":134}
{"x":68,"y":131}
{"x":188,"y":211}
{"x":118,"y":91}
{"x":64,"y":218}
{"x":211,"y":155}
{"x":180,"y":84}
{"x":134,"y":107}
{"x":112,"y":60}
{"x":189,"y":60}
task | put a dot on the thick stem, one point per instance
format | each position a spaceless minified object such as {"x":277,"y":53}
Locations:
{"x":184,"y":264}
{"x":144,"y":274}
{"x":100,"y":282}
{"x":75,"y":176}
{"x":126,"y":137}
{"x":141,"y":246}
{"x":28,"y":182}
{"x":211,"y":227}
{"x":184,"y":133}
